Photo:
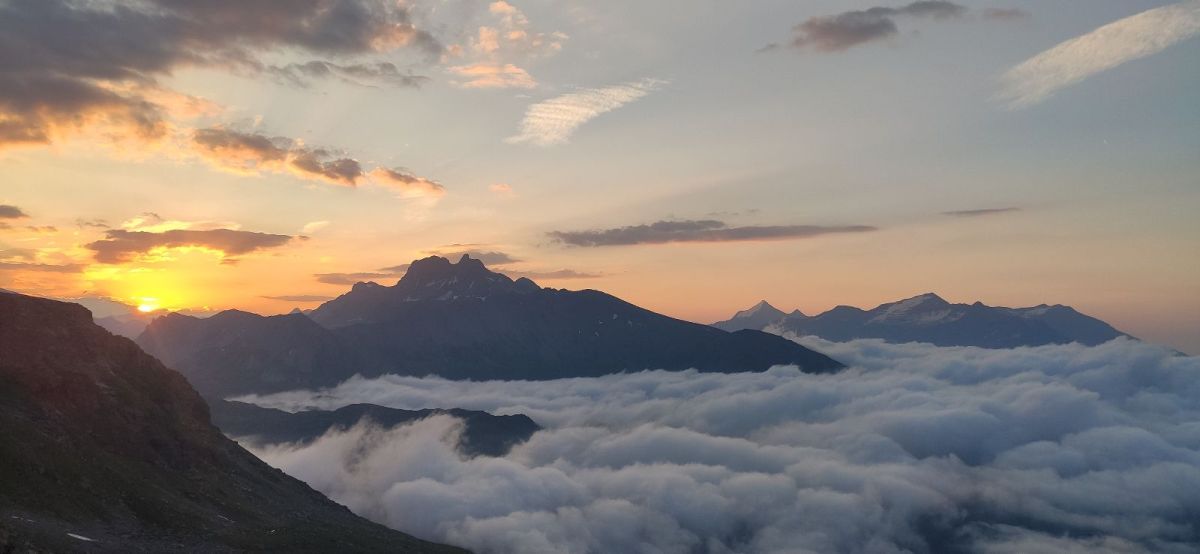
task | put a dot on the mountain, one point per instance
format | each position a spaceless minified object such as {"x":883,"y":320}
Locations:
{"x":756,"y":317}
{"x":458,"y":321}
{"x":106,"y":450}
{"x":929,"y":318}
{"x":483,"y":433}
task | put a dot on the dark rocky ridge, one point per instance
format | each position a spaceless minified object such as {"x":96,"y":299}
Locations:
{"x":458,"y":321}
{"x":103,"y":441}
{"x":928,"y":318}
{"x":483,"y":433}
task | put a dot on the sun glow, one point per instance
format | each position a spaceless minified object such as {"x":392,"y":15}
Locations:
{"x":147,"y":305}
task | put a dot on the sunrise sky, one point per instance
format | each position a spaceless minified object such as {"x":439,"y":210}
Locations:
{"x":674,"y":154}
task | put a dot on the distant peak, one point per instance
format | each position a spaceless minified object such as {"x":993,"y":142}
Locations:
{"x":929,"y":296}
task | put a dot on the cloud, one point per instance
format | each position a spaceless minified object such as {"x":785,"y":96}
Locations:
{"x":362,"y":74}
{"x":254,"y":153}
{"x":1006,"y":14}
{"x":981,"y":211}
{"x":559,"y":274}
{"x":835,"y":33}
{"x":11,"y":212}
{"x":501,"y":189}
{"x":97,"y":65}
{"x":121,"y":246}
{"x":706,"y":230}
{"x":407,"y":184}
{"x":483,"y":75}
{"x":313,"y":226}
{"x":47,"y":268}
{"x":92,"y":223}
{"x":488,"y":257}
{"x":914,"y":448}
{"x":1070,"y":62}
{"x":352,"y":278}
{"x":302,"y":298}
{"x":553,"y":121}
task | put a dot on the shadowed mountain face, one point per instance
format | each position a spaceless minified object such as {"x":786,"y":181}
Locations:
{"x":928,"y":318}
{"x":105,"y":449}
{"x":483,"y":434}
{"x":458,"y":321}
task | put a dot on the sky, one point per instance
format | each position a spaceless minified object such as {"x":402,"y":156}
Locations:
{"x":690,"y":157}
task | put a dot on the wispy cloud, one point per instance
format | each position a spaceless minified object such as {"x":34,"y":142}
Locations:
{"x":707,"y":230}
{"x":558,"y":274}
{"x":1070,"y":62}
{"x":299,"y":298}
{"x":553,"y":121}
{"x":488,"y":75}
{"x":981,"y":211}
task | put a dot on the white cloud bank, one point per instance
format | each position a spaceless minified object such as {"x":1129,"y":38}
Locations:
{"x":914,"y":449}
{"x":553,"y":121}
{"x":1070,"y":62}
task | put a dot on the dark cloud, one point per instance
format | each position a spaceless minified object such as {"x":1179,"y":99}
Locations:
{"x":913,"y":448}
{"x":122,"y":246}
{"x":299,"y":298}
{"x":706,"y":230}
{"x":1006,"y":14}
{"x":11,"y":212}
{"x":42,"y":228}
{"x":407,"y":184}
{"x":559,"y":274}
{"x":65,"y":64}
{"x":352,"y":278}
{"x":981,"y":211}
{"x":253,"y":152}
{"x":834,"y":33}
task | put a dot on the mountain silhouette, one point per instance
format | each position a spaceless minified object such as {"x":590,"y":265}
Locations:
{"x":458,"y":321}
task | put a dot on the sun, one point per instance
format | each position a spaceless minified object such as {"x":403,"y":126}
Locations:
{"x":148,"y":305}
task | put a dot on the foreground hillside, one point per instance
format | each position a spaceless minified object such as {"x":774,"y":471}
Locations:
{"x":105,"y":449}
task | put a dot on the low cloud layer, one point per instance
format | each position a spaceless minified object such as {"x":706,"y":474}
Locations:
{"x":119,"y":246}
{"x":835,"y":33}
{"x":1070,"y":62}
{"x":300,"y":298}
{"x":706,"y":230}
{"x":913,"y":449}
{"x":553,"y":121}
{"x":347,"y":279}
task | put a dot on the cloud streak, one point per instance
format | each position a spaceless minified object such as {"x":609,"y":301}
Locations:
{"x":913,"y":448}
{"x":12,"y":212}
{"x":121,"y":246}
{"x":1075,"y":60}
{"x":981,"y":212}
{"x":553,"y":121}
{"x":706,"y":230}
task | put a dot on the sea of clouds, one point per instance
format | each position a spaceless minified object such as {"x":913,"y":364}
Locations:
{"x":915,"y":448}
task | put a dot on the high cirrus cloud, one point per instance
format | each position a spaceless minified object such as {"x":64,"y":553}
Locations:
{"x":553,"y":121}
{"x":835,"y":33}
{"x":705,"y":230}
{"x":84,"y":63}
{"x":914,"y":448}
{"x":1121,"y":41}
{"x":119,"y":245}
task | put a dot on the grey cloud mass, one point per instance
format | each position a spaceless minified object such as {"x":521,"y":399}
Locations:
{"x":300,"y":298}
{"x":119,"y":245}
{"x":69,"y":63}
{"x":835,"y":33}
{"x":914,"y":448}
{"x":705,"y":230}
{"x":11,"y":212}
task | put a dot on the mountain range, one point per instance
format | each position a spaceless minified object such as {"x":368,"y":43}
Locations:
{"x":458,"y":321}
{"x":106,"y":450}
{"x":929,"y":318}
